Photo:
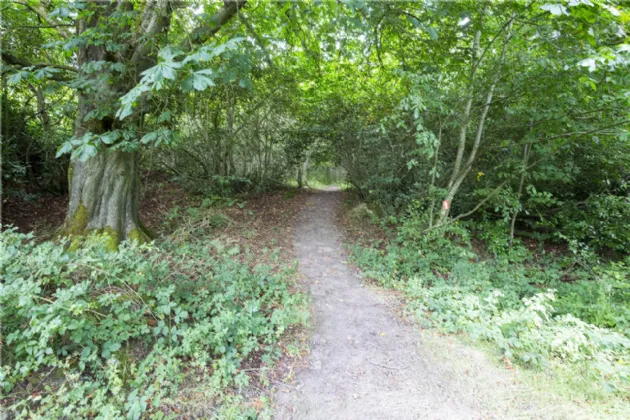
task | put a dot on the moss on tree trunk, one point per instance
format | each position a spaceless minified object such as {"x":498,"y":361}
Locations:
{"x":104,"y":193}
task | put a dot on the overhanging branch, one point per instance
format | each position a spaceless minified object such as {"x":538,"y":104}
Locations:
{"x":40,"y":11}
{"x":9,"y":58}
{"x":209,"y":28}
{"x":12,"y":60}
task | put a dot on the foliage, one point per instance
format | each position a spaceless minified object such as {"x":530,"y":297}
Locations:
{"x":603,"y":224}
{"x":114,"y":334}
{"x":466,"y":125}
{"x":582,"y":317}
{"x":527,"y":333}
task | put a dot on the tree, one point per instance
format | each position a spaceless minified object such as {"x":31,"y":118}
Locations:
{"x":113,"y":49}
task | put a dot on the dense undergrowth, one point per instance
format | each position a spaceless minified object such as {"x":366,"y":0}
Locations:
{"x":104,"y":334}
{"x":541,"y":309}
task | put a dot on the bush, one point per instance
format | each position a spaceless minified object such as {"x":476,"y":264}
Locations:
{"x":603,"y":224}
{"x":604,"y":301}
{"x":104,"y":334}
{"x":500,"y":299}
{"x":529,"y":333}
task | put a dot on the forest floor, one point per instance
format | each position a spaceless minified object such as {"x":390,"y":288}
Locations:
{"x":368,"y":361}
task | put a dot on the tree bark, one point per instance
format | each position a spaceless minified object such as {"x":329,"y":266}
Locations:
{"x":104,"y":190}
{"x":305,"y":169}
{"x":299,"y":176}
{"x":104,"y":193}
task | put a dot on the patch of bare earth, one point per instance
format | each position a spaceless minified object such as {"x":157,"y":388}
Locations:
{"x":369,"y":362}
{"x":42,"y":214}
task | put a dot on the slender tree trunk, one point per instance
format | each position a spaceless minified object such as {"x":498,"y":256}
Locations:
{"x":461,"y":171}
{"x":520,"y":189}
{"x":461,"y":148}
{"x":305,"y":169}
{"x":299,"y":176}
{"x":433,"y":175}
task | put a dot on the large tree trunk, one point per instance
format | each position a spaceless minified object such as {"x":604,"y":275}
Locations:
{"x":104,"y":193}
{"x":104,"y":190}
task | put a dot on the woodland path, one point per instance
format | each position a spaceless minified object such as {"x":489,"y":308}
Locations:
{"x":367,"y":363}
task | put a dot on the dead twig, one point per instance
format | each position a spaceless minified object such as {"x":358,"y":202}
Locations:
{"x":390,"y":367}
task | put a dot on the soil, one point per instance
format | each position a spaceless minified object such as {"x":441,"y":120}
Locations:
{"x":368,"y":363}
{"x":42,"y":213}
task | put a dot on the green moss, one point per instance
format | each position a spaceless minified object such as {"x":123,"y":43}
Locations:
{"x":138,"y":236}
{"x":112,"y":238}
{"x":75,"y":243}
{"x":79,"y":221}
{"x":69,"y":180}
{"x":77,"y":229}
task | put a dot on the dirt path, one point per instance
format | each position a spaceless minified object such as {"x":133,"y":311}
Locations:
{"x":366,"y":363}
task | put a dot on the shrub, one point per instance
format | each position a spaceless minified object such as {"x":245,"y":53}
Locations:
{"x":528,"y":334}
{"x":104,"y":334}
{"x":582,"y":318}
{"x":603,"y":301}
{"x":603,"y":224}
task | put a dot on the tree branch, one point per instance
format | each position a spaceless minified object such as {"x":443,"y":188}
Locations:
{"x":21,"y":63}
{"x":9,"y":58}
{"x":40,"y":11}
{"x":250,"y":28}
{"x":155,"y":19}
{"x":208,"y":29}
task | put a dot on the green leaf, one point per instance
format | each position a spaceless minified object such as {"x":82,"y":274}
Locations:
{"x":201,"y":82}
{"x":66,"y":147}
{"x":198,"y":81}
{"x":168,"y":71}
{"x":246,"y":84}
{"x":590,"y":63}
{"x":18,"y":77}
{"x":84,"y":152}
{"x":169,"y":53}
{"x":149,"y":137}
{"x":164,"y":116}
{"x":429,"y":30}
{"x":555,"y":9}
{"x":86,"y":352}
{"x":109,"y":138}
{"x":124,"y":111}
{"x":62,"y":12}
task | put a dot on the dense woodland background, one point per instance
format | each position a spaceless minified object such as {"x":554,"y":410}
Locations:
{"x":483,"y":147}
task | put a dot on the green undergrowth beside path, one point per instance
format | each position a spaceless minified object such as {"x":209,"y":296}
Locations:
{"x":563,"y":315}
{"x":97,"y":334}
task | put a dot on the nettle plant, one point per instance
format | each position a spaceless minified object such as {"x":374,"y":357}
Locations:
{"x":108,"y":334}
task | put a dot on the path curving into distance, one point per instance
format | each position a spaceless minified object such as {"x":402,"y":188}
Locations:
{"x":365,"y":363}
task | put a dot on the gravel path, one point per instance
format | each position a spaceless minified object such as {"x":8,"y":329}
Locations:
{"x":366,"y":363}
